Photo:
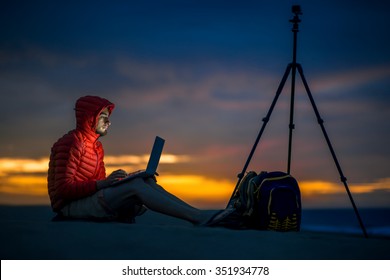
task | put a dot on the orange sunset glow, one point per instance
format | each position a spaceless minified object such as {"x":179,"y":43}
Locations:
{"x":23,"y":182}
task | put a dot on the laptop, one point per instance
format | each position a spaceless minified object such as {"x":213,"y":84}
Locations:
{"x":153,"y":162}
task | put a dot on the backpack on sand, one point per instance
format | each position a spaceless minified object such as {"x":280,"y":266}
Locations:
{"x":266,"y":201}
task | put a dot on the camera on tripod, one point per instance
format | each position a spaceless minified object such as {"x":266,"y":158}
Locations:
{"x":296,"y":9}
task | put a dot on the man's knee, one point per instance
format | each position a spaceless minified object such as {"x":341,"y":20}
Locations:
{"x":135,"y":186}
{"x":151,"y":182}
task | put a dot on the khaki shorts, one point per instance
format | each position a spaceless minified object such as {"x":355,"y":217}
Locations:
{"x":93,"y":206}
{"x":96,"y":207}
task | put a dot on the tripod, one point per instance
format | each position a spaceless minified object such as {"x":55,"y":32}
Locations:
{"x":292,"y":68}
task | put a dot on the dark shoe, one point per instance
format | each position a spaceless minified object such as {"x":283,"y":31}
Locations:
{"x":218,"y":217}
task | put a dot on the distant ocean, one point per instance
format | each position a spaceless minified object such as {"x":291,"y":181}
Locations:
{"x":375,"y":220}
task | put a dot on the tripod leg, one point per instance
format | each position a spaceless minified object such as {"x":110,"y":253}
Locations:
{"x":291,"y":125}
{"x":321,"y":123}
{"x":265,"y":121}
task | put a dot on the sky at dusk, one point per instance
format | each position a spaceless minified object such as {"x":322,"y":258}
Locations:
{"x":202,"y":75}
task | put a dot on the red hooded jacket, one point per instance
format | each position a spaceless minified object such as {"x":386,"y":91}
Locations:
{"x":76,"y":160}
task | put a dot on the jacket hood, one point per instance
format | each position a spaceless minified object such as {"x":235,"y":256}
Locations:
{"x":88,"y":109}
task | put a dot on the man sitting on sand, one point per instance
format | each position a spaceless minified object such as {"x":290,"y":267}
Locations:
{"x":77,"y":182}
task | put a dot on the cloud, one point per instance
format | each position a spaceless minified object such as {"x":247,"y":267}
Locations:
{"x":132,"y":163}
{"x":27,"y":177}
{"x":36,"y":166}
{"x":242,"y":90}
{"x":321,"y":187}
{"x":160,"y":83}
{"x":23,"y":165}
{"x":342,"y":82}
{"x":199,"y":107}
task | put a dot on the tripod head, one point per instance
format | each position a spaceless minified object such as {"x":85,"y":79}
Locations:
{"x":296,"y":9}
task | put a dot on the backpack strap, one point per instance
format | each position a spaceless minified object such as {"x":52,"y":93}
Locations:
{"x":242,"y":194}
